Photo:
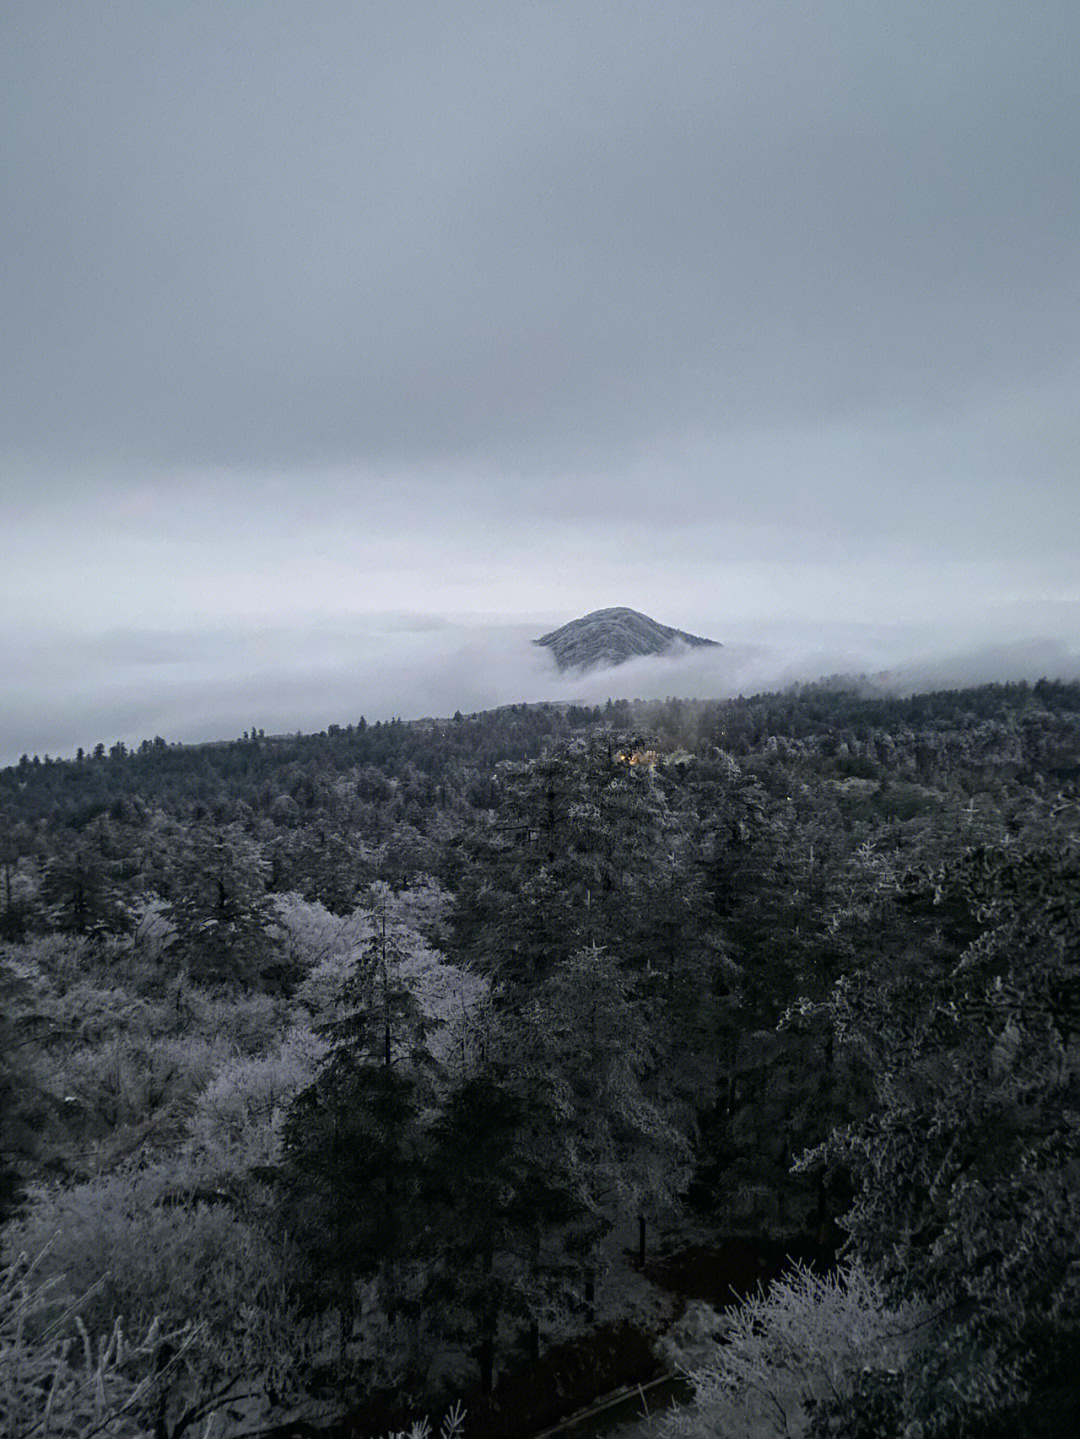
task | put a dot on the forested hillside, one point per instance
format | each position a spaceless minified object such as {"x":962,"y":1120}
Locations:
{"x":348,"y":1065}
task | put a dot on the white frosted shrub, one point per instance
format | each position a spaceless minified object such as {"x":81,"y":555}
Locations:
{"x":250,"y":1022}
{"x":63,"y":957}
{"x":309,"y":933}
{"x":803,"y":1343}
{"x":59,"y":1381}
{"x":61,"y":1377}
{"x":425,"y":906}
{"x":125,"y":1079}
{"x":141,"y":1241}
{"x":449,"y":998}
{"x":147,"y":1244}
{"x":321,"y":992}
{"x":690,"y":1343}
{"x":452,"y":1427}
{"x":237,"y":1118}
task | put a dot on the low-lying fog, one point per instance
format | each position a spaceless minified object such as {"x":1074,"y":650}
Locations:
{"x":192,"y":685}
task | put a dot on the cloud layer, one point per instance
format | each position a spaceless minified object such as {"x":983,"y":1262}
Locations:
{"x":213,"y":684}
{"x":258,"y":235}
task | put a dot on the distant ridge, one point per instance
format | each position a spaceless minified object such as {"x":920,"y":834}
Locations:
{"x":610,"y":637}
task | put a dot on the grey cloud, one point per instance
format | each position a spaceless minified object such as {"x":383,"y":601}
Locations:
{"x":992,"y":482}
{"x":266,"y":235}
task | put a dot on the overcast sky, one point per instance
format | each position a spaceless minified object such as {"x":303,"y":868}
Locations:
{"x":348,"y":346}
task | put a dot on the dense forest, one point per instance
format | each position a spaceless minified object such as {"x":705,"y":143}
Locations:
{"x":372,"y":1064}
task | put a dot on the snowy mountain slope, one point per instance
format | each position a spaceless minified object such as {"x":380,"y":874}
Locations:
{"x":609,"y":637}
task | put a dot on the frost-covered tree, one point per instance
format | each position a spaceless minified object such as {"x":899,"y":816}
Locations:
{"x":237,"y":1119}
{"x":782,"y":1359}
{"x":220,"y":912}
{"x":494,"y":1199}
{"x":570,"y":859}
{"x":24,"y":1100}
{"x":585,"y":1043}
{"x":327,"y":948}
{"x":353,"y":1139}
{"x":967,"y":1165}
{"x":79,"y":896}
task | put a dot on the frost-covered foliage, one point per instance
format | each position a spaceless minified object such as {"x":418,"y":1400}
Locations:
{"x":309,"y":933}
{"x":449,"y":997}
{"x":63,"y":1378}
{"x":58,"y":1379}
{"x":252,"y":1022}
{"x":967,"y":1165}
{"x":330,"y":947}
{"x":805,"y":1344}
{"x":151,"y":930}
{"x":584,"y":1041}
{"x":123,"y":1080}
{"x":236,"y":1121}
{"x":64,"y":958}
{"x":118,"y":1072}
{"x":145,"y":1242}
{"x":425,"y":907}
{"x":452,"y":1427}
{"x":690,"y":1344}
{"x":134,"y":1243}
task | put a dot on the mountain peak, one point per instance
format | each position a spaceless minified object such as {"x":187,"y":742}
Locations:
{"x":609,"y":637}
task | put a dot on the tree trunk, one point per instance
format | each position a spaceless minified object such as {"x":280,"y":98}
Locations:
{"x":487,"y":1359}
{"x":489,"y":1318}
{"x":343,"y":1333}
{"x":822,"y":1211}
{"x":641,"y":1241}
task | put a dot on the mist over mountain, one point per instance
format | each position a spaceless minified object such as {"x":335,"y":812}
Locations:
{"x":613,"y":636}
{"x":209,"y":683}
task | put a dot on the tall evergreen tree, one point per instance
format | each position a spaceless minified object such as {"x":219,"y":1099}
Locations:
{"x":967,"y":1165}
{"x":354,"y":1140}
{"x":219,"y":907}
{"x":495,"y":1203}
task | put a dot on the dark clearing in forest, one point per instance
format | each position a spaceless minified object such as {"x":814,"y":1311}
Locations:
{"x":375,"y":1070}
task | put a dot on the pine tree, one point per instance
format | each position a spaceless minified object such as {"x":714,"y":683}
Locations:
{"x":495,"y":1204}
{"x":967,"y":1164}
{"x":220,"y":910}
{"x":354,"y":1140}
{"x":79,"y":896}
